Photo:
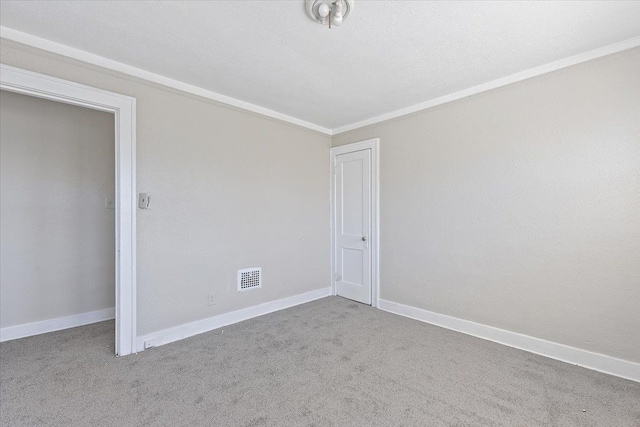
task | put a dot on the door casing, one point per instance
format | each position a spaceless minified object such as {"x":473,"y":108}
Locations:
{"x":123,"y":107}
{"x":374,"y":239}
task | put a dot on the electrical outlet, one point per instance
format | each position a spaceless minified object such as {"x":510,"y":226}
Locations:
{"x":212,"y":299}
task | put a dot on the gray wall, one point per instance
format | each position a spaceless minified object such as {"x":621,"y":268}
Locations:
{"x":519,"y":208}
{"x":229,"y":190}
{"x":57,"y":245}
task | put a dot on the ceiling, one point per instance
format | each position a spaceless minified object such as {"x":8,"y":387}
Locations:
{"x":387,"y":56}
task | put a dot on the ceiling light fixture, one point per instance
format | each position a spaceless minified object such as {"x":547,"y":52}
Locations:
{"x":326,"y":11}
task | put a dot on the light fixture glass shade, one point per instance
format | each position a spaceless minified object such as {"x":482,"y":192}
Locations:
{"x":337,"y":14}
{"x":323,"y":10}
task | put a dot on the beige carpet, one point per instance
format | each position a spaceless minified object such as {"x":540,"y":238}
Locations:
{"x":331,"y":362}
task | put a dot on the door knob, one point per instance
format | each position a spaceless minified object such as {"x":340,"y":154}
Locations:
{"x":364,"y":238}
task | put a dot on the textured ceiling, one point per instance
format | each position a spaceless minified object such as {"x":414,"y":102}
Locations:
{"x":387,"y":55}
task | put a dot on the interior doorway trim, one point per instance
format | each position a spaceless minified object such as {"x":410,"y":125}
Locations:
{"x":373,"y":145}
{"x":124,"y":110}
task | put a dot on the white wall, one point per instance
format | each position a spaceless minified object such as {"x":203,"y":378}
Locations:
{"x":229,"y":189}
{"x":57,"y":246}
{"x":519,"y":208}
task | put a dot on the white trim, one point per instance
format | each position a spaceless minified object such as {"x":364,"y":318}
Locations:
{"x":374,"y":146}
{"x":81,"y":55}
{"x":187,"y":330}
{"x":36,"y":328}
{"x":124,"y":109}
{"x":564,"y":353}
{"x":513,"y":78}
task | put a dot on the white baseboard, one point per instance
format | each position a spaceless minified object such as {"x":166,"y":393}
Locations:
{"x":187,"y":330}
{"x":564,"y":353}
{"x":37,"y":328}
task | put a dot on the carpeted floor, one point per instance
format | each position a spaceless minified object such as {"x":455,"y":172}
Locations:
{"x":331,"y":362}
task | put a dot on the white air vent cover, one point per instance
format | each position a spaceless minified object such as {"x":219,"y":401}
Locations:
{"x":249,"y":278}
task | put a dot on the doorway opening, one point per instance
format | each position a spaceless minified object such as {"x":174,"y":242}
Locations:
{"x":122,"y":201}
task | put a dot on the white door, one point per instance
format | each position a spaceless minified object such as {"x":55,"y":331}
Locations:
{"x":353,"y":225}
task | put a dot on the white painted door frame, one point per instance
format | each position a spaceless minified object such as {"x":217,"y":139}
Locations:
{"x":124,"y":110}
{"x":373,"y":145}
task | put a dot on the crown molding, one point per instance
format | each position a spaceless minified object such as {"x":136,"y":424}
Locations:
{"x":513,"y":78}
{"x":81,"y":55}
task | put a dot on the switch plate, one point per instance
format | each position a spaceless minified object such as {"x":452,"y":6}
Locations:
{"x":212,"y":299}
{"x":143,"y":201}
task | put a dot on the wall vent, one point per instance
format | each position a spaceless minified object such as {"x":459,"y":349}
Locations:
{"x":249,"y":278}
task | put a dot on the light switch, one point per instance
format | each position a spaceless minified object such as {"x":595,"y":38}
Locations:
{"x":143,"y":201}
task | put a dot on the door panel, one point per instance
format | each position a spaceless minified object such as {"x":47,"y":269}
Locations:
{"x":352,"y":266}
{"x":352,"y":221}
{"x":353,"y":225}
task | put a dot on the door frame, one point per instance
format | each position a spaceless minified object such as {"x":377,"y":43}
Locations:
{"x":123,"y":107}
{"x":374,"y":146}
